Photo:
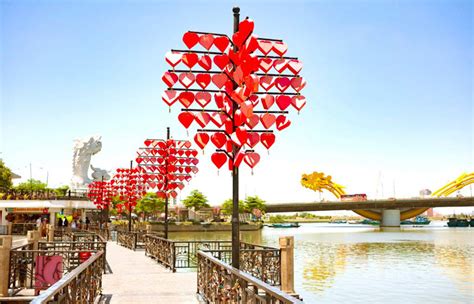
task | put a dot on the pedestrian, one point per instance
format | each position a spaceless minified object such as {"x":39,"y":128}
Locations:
{"x":60,"y":222}
{"x":88,"y":221}
{"x":65,"y":222}
{"x":74,"y":224}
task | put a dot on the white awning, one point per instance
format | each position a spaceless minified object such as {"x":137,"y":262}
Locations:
{"x":47,"y":204}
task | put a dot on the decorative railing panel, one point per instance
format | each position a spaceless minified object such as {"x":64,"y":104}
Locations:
{"x":161,"y":249}
{"x":22,"y":228}
{"x":82,"y":285}
{"x":127,"y":239}
{"x":219,"y":282}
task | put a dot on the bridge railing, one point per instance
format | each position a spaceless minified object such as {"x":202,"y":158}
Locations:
{"x":44,"y":195}
{"x":218,"y":282}
{"x":82,"y":285}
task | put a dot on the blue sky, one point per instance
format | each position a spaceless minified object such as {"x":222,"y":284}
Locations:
{"x":390,"y":89}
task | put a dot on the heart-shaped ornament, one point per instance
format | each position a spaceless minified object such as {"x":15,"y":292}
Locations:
{"x":169,"y":97}
{"x":190,"y":59}
{"x":186,"y":119}
{"x":252,"y":121}
{"x":267,"y":120}
{"x":203,"y":80}
{"x":190,"y":39}
{"x":265,"y":64}
{"x":283,"y":102}
{"x":295,"y":66}
{"x":298,"y":102}
{"x":202,"y":118}
{"x":218,"y":139}
{"x":246,"y":108}
{"x":253,"y":139}
{"x":221,"y":43}
{"x":267,"y":139}
{"x":206,"y":41}
{"x":218,"y":119}
{"x":265,"y":46}
{"x":280,"y":48}
{"x":219,"y":80}
{"x":252,"y":159}
{"x":203,"y":98}
{"x":282,"y":83}
{"x":169,"y":79}
{"x":266,"y":82}
{"x":186,"y":98}
{"x":205,"y":62}
{"x":298,"y":83}
{"x":218,"y":159}
{"x":187,"y":79}
{"x":221,"y":61}
{"x":173,"y":59}
{"x":282,"y":122}
{"x":267,"y":101}
{"x":201,"y":139}
{"x":280,"y":65}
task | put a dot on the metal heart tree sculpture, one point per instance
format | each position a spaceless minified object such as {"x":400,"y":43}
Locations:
{"x":252,"y":84}
{"x":242,"y":82}
{"x":129,"y":185}
{"x":100,"y":193}
{"x":165,"y":165}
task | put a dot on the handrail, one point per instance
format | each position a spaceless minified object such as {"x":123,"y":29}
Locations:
{"x":49,"y":293}
{"x":275,"y":292}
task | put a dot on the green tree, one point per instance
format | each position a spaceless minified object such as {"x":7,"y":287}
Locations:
{"x":5,"y":177}
{"x":150,"y":204}
{"x":32,"y":185}
{"x":254,"y":202}
{"x":227,"y":207}
{"x":61,"y":191}
{"x":196,"y":199}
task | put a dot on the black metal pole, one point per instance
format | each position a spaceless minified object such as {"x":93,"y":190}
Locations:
{"x":235,"y":173}
{"x":129,"y":203}
{"x":166,"y":187}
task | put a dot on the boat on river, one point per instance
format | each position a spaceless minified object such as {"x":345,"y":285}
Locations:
{"x":285,"y":225}
{"x":419,"y":220}
{"x":457,"y":222}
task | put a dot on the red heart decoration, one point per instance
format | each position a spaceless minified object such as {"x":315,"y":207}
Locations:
{"x":148,"y":142}
{"x":282,"y":83}
{"x":221,"y":61}
{"x":295,"y":66}
{"x":251,"y":159}
{"x":246,"y":27}
{"x":169,"y":97}
{"x":169,"y":78}
{"x":218,"y":139}
{"x":282,"y":122}
{"x":280,"y":48}
{"x":254,"y":100}
{"x":266,"y":82}
{"x":239,"y":137}
{"x":265,"y":46}
{"x":201,"y":139}
{"x":280,"y":65}
{"x":267,"y":101}
{"x":219,"y":159}
{"x":187,"y":79}
{"x":186,"y":119}
{"x":246,"y":108}
{"x":265,"y":64}
{"x":138,"y":160}
{"x":202,"y":118}
{"x":252,"y":82}
{"x":190,"y":39}
{"x":252,"y":121}
{"x":267,"y":120}
{"x":203,"y":98}
{"x":173,"y":59}
{"x":219,"y":80}
{"x":205,"y":62}
{"x":298,"y":102}
{"x":238,"y":75}
{"x":206,"y":41}
{"x":218,"y":119}
{"x":239,"y":118}
{"x":283,"y":101}
{"x":203,"y":80}
{"x":221,"y":43}
{"x":238,"y":159}
{"x":252,"y":44}
{"x":253,"y":139}
{"x":186,"y":99}
{"x":190,"y":59}
{"x":267,"y":139}
{"x":298,"y":83}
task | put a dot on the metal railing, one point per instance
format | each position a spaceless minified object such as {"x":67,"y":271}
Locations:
{"x":82,"y":285}
{"x":262,"y":262}
{"x":218,"y":282}
{"x":44,"y":195}
{"x":22,"y":228}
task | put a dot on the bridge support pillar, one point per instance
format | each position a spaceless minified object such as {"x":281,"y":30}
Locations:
{"x":390,"y":218}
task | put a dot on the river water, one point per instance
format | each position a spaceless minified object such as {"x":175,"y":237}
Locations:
{"x":336,"y":263}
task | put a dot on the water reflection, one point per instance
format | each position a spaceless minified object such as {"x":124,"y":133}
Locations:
{"x":362,"y":264}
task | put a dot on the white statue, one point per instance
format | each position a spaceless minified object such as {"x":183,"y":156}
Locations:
{"x":83,"y":151}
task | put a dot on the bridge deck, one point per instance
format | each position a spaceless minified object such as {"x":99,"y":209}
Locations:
{"x":139,"y":279}
{"x":372,"y":204}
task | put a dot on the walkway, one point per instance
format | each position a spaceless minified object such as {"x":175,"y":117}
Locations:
{"x":136,"y":278}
